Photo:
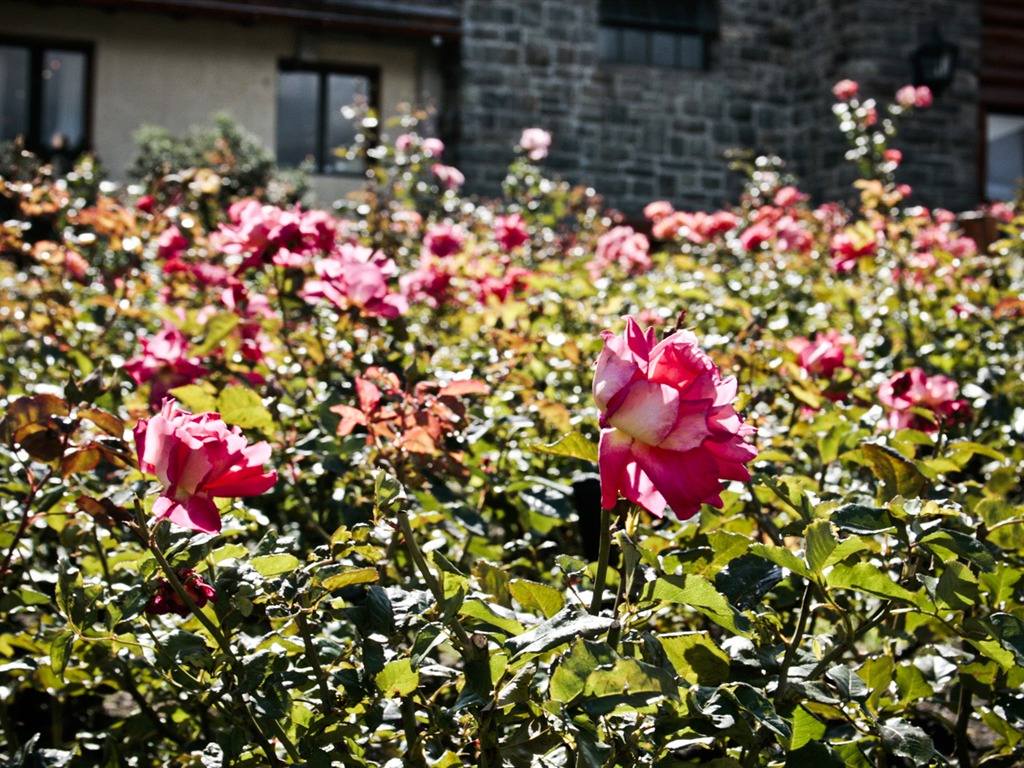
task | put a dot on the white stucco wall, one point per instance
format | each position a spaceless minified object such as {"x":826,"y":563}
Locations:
{"x":177,"y":72}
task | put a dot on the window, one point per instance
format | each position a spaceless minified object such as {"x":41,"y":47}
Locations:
{"x":1005,"y":156}
{"x":659,"y":33}
{"x":313,"y":117}
{"x":44,"y":97}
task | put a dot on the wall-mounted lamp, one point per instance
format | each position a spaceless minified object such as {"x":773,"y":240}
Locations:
{"x":934,"y":62}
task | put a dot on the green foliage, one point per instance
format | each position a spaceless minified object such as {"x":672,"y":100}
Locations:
{"x":212,"y":165}
{"x":424,"y":584}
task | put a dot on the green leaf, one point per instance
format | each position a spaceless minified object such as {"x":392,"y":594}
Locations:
{"x":945,"y":543}
{"x":821,"y":542}
{"x":196,"y":398}
{"x":697,"y":592}
{"x":857,"y":518}
{"x":806,"y":727}
{"x":275,"y":565}
{"x":957,"y":587}
{"x":490,"y":615}
{"x":496,"y":582}
{"x":877,"y":674}
{"x":696,"y":658}
{"x":534,"y":596}
{"x":849,"y":683}
{"x":911,"y":684}
{"x":628,"y":677}
{"x":242,"y":407}
{"x":60,"y":651}
{"x":570,"y":675}
{"x":865,"y":577}
{"x":909,"y":741}
{"x":899,"y":476}
{"x":573,"y":445}
{"x":1009,"y":631}
{"x":398,"y":678}
{"x":565,"y":626}
{"x":388,"y":493}
{"x":217,"y":329}
{"x":783,"y":557}
{"x":962,"y":452}
{"x":348,"y":577}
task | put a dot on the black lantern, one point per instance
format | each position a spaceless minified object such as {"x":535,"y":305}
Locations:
{"x":934,"y":62}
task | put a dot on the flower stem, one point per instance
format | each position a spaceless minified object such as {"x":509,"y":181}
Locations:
{"x":233,"y":662}
{"x":603,"y":555}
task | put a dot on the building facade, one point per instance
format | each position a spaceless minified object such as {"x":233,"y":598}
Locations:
{"x":643,"y":98}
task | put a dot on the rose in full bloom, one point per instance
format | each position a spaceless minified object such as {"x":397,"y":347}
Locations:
{"x":198,"y":458}
{"x":912,"y":389}
{"x":356,"y":277}
{"x":535,"y":142}
{"x":669,"y":431}
{"x":622,"y":245}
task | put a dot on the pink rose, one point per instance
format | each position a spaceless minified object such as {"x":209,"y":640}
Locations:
{"x":166,"y":363}
{"x":911,"y":389}
{"x":622,"y":245}
{"x":433,"y":147}
{"x":658,"y":210}
{"x":444,"y":240}
{"x":789,"y":196}
{"x":166,"y":600}
{"x":198,"y":458}
{"x":892,"y":156}
{"x":356,"y":277}
{"x":906,"y":96}
{"x":447,"y":176}
{"x":171,"y":243}
{"x":510,"y":231}
{"x":845,"y":90}
{"x":535,"y":142}
{"x":826,"y":354}
{"x":669,"y":430}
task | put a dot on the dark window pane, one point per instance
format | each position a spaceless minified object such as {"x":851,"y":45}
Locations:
{"x":298,"y":97}
{"x":663,"y":49}
{"x":14,"y":95}
{"x":62,"y":121}
{"x":1005,"y":156}
{"x":634,"y":46}
{"x":691,"y":52}
{"x":343,"y":92}
{"x":610,"y":43}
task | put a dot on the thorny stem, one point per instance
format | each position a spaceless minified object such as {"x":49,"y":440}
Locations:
{"x":318,"y":670}
{"x":963,"y":719}
{"x":462,"y":637}
{"x":794,"y":643}
{"x":235,"y":664}
{"x":603,"y":555}
{"x":26,"y":519}
{"x":472,"y":653}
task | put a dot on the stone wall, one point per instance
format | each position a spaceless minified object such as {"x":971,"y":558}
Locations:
{"x":638,"y":133}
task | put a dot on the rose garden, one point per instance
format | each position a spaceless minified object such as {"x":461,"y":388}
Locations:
{"x":428,"y":480}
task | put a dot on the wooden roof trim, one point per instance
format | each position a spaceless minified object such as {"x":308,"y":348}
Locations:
{"x":406,"y":19}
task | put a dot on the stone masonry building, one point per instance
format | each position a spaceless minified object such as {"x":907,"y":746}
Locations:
{"x":643,"y":97}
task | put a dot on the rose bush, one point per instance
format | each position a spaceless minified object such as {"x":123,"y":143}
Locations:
{"x":443,"y":573}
